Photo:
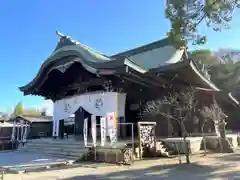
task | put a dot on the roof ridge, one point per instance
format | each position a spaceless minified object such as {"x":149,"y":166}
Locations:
{"x":143,"y":48}
{"x":67,"y":40}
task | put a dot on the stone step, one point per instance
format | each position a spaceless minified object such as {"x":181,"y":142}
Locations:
{"x":74,"y":155}
{"x":66,"y":147}
{"x":56,"y":143}
{"x":163,"y":150}
{"x":70,"y":140}
{"x":69,"y":149}
{"x":60,"y":155}
{"x":159,"y":147}
{"x":58,"y":149}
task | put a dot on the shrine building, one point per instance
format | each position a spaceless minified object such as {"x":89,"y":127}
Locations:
{"x":82,"y":81}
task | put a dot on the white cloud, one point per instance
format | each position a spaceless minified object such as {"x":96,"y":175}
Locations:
{"x":48,"y":105}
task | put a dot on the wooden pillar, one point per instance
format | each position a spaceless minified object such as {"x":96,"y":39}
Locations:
{"x":61,"y":129}
{"x":79,"y":120}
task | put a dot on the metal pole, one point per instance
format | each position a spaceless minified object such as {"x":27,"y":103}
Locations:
{"x":2,"y":175}
{"x":95,"y":153}
{"x":140,"y":143}
{"x":133,"y":150}
{"x":2,"y":145}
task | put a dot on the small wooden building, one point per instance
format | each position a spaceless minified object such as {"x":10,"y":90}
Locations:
{"x":40,"y":126}
{"x":5,"y":130}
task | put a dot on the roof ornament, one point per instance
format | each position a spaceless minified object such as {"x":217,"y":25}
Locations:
{"x":59,"y":34}
{"x":63,"y":36}
{"x":64,"y":40}
{"x":67,"y":37}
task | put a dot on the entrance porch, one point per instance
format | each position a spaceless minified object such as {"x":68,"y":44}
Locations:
{"x":88,"y":106}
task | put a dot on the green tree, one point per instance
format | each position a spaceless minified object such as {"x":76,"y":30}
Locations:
{"x":204,"y":56}
{"x":32,"y":112}
{"x":224,"y":71}
{"x":18,"y":109}
{"x":186,"y":15}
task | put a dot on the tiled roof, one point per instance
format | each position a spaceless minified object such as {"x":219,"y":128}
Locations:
{"x":37,"y":118}
{"x":154,"y":55}
{"x":6,"y":124}
{"x":68,"y":41}
{"x":143,"y":48}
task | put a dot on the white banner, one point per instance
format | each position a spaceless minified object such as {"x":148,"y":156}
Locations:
{"x":25,"y":133}
{"x":56,"y":128}
{"x":13,"y":131}
{"x":111,"y":120}
{"x":18,"y":131}
{"x":103,"y":131}
{"x":85,"y":131}
{"x":98,"y":104}
{"x":112,"y":135}
{"x":94,"y":130}
{"x":22,"y":130}
{"x":112,"y":127}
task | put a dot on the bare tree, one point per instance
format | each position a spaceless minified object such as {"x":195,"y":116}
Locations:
{"x":215,"y":114}
{"x":176,"y":106}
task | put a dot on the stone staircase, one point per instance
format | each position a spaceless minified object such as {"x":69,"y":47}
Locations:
{"x":163,"y":150}
{"x":67,"y":148}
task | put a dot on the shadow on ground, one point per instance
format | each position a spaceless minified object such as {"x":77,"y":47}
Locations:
{"x":177,"y":171}
{"x":229,"y":157}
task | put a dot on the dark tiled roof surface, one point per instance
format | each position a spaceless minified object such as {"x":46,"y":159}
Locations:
{"x":143,"y":48}
{"x":68,"y":41}
{"x":37,"y":118}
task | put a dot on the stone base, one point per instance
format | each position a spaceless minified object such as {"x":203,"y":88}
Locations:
{"x":238,"y":140}
{"x":225,"y":146}
{"x":177,"y":144}
{"x":124,"y":155}
{"x":219,"y":145}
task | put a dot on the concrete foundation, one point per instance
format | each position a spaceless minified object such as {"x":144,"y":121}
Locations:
{"x":212,"y":142}
{"x":194,"y":144}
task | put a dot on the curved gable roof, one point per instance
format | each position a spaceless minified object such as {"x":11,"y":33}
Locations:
{"x":147,"y":58}
{"x":155,"y":54}
{"x":66,"y":41}
{"x":90,"y":59}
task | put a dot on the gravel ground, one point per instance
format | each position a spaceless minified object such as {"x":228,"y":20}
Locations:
{"x":214,"y":166}
{"x":25,"y":158}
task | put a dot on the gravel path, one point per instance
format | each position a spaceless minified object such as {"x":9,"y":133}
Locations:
{"x":202,"y":168}
{"x":24,"y":158}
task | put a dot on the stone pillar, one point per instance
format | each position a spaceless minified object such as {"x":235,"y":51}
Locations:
{"x":79,"y":120}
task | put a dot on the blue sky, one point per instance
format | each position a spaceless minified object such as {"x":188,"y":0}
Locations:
{"x":28,"y":34}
